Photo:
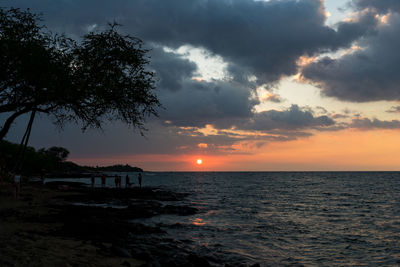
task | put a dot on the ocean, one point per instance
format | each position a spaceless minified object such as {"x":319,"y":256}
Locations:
{"x":287,"y":218}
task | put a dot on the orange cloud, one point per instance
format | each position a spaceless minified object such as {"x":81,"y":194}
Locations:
{"x":202,"y":145}
{"x":271,"y":97}
{"x":305,"y":60}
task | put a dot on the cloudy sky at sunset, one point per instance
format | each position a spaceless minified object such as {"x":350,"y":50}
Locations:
{"x":247,"y":85}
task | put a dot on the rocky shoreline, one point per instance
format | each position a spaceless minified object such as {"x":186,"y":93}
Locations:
{"x":67,"y":224}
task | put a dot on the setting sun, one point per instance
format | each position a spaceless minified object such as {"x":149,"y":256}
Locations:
{"x":199,"y":161}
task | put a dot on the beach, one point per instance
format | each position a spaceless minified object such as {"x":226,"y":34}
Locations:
{"x":46,"y":227}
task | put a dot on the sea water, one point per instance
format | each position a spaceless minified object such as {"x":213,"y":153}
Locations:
{"x":287,"y":218}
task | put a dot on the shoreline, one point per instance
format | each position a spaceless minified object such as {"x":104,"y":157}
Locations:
{"x":45,"y":227}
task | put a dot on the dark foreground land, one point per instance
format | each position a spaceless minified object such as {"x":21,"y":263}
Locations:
{"x":46,"y":227}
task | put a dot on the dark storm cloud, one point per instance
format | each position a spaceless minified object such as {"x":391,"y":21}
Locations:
{"x":171,"y":68}
{"x":293,"y":118}
{"x":264,"y":38}
{"x":382,"y":6}
{"x":363,"y":25}
{"x":200,"y":103}
{"x":195,"y":103}
{"x":369,"y":74}
{"x":322,"y":110}
{"x":339,"y":116}
{"x":368,"y":124}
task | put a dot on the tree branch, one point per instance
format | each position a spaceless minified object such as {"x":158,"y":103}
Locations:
{"x":9,"y":122}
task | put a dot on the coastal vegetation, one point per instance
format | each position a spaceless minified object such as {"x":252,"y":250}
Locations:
{"x":50,"y":161}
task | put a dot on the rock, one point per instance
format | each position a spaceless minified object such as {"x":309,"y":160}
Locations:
{"x":56,"y":184}
{"x":197,"y":261}
{"x":153,"y":263}
{"x":6,"y":264}
{"x":255,"y":265}
{"x":125,"y":263}
{"x":172,"y":263}
{"x":121,"y":252}
{"x":143,"y":255}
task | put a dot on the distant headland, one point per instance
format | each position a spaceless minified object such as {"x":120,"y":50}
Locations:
{"x":114,"y":168}
{"x":51,"y":162}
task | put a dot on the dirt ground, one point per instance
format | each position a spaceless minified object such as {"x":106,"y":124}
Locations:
{"x":29,"y":238}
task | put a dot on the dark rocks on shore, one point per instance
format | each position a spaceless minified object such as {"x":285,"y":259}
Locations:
{"x":168,"y":255}
{"x":119,"y":251}
{"x":197,"y":261}
{"x":72,"y":185}
{"x":109,"y":194}
{"x":111,"y":230}
{"x":103,"y":217}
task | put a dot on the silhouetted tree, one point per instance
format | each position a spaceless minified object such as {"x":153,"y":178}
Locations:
{"x":52,"y":159}
{"x":60,"y":154}
{"x":102,"y":77}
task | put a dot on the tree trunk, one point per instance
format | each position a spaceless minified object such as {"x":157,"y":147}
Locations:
{"x":24,"y":143}
{"x":9,"y":121}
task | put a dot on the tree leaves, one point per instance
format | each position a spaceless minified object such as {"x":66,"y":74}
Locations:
{"x":102,"y":77}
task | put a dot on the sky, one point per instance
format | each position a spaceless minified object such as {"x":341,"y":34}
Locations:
{"x":279,"y":85}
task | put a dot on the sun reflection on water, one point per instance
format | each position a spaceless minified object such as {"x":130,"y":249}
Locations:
{"x":198,"y":222}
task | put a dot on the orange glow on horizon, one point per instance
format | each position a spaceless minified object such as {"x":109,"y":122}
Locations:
{"x":346,"y":150}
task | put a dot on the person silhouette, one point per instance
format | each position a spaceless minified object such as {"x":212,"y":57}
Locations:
{"x":119,"y":181}
{"x":17,"y":185}
{"x":42,"y":175}
{"x":140,"y":180}
{"x":92,"y":180}
{"x":116,"y":180}
{"x":103,"y":180}
{"x":127,"y":181}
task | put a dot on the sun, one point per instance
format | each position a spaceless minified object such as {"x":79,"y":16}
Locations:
{"x":199,"y":161}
